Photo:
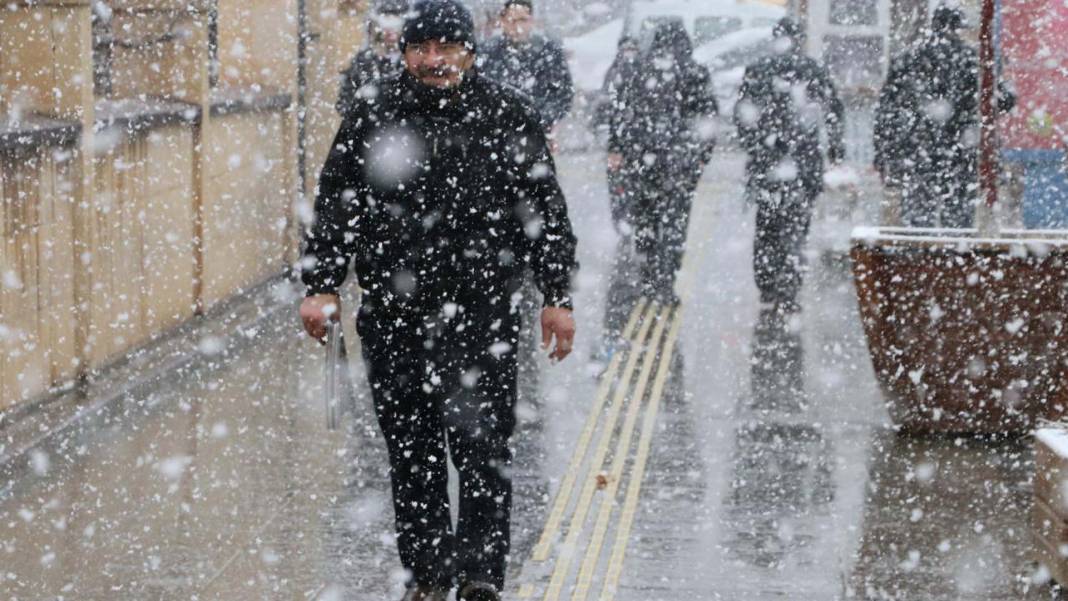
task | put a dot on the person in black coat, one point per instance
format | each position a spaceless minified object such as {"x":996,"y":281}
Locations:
{"x":784,"y":100}
{"x":441,"y":191}
{"x":379,"y":59}
{"x":927,"y":126}
{"x":529,"y":62}
{"x":619,"y":75}
{"x":661,"y":138}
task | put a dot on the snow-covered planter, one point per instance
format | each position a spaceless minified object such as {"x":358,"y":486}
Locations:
{"x":1049,"y":517}
{"x":966,"y":334}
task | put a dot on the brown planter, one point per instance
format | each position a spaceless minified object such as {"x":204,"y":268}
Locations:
{"x":965,"y":334}
{"x":1049,"y":524}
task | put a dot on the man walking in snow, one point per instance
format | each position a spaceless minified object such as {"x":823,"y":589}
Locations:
{"x":783,"y":101}
{"x":379,"y":59}
{"x":927,"y":126}
{"x":441,"y":191}
{"x":529,"y":62}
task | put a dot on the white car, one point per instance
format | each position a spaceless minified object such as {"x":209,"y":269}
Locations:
{"x":705,"y":20}
{"x":728,"y":34}
{"x":726,"y":59}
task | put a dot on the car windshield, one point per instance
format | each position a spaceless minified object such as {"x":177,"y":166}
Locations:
{"x":707,"y":29}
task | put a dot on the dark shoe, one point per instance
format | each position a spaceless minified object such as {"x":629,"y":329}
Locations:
{"x":419,"y":592}
{"x":477,"y":591}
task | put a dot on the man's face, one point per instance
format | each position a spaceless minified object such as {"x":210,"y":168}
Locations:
{"x":389,"y":29}
{"x":517,"y":22}
{"x":438,"y":64}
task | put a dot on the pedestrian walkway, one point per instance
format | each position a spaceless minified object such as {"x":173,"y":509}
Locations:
{"x":724,"y":452}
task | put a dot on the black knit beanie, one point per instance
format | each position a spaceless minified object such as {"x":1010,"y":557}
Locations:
{"x":442,"y":20}
{"x":529,"y":4}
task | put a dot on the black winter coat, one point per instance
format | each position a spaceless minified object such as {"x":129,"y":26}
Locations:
{"x":783,"y":101}
{"x":665,"y":108}
{"x":440,"y":196}
{"x":536,"y":68}
{"x":928,"y":113}
{"x":618,"y":76}
{"x":367,"y":67}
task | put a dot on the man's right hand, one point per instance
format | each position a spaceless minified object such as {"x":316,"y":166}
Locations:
{"x":615,"y":161}
{"x":315,"y":310}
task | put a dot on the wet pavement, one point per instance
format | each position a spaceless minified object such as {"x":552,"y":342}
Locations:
{"x":724,"y":452}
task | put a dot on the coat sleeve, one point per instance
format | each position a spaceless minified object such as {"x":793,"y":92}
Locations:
{"x":703,"y":109}
{"x":350,"y":83}
{"x":545,"y":220}
{"x":888,"y":129}
{"x":330,"y":242}
{"x":560,"y":90}
{"x":618,"y":109}
{"x":749,"y":111}
{"x":834,"y":117}
{"x":1006,"y":97}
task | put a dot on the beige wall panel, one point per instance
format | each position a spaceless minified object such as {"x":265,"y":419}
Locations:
{"x":227,"y":140}
{"x":258,"y":43}
{"x":163,"y":69}
{"x":26,"y":365}
{"x":73,"y":62}
{"x":229,"y":228}
{"x":168,"y":260}
{"x":169,"y":162}
{"x":27,"y":76}
{"x":168,"y":266}
{"x":137,"y":71}
{"x":116,"y":246}
{"x":241,"y":244}
{"x":342,"y":36}
{"x":245,"y":206}
{"x":185,"y":67}
{"x":56,"y":250}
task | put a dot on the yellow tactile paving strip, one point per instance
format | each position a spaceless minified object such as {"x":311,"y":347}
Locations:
{"x":598,"y":473}
{"x":594,"y":480}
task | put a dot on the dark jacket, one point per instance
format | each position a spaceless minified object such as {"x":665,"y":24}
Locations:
{"x":440,"y":195}
{"x":367,"y":67}
{"x":619,"y":75}
{"x":783,"y":101}
{"x":537,"y":68}
{"x":666,"y":105}
{"x":928,"y":108}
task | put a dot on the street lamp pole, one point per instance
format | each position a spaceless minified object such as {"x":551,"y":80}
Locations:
{"x":988,"y":159}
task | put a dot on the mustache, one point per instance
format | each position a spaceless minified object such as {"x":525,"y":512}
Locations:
{"x":434,"y":71}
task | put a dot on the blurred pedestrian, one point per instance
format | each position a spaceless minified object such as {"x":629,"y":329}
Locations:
{"x":927,"y":126}
{"x":784,"y":101}
{"x":660,"y":139}
{"x":442,"y":192}
{"x":620,"y":74}
{"x":533,"y":64}
{"x":379,"y":58}
{"x":530,"y":62}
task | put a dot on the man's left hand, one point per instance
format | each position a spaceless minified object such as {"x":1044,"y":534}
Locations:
{"x":558,"y":322}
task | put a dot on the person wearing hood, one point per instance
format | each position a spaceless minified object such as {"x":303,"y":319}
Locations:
{"x":441,"y":191}
{"x":529,"y":62}
{"x":620,"y":74}
{"x":660,"y":139}
{"x":784,"y":101}
{"x":379,"y":58}
{"x":927,"y":126}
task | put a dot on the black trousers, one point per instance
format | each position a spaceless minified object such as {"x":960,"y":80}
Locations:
{"x":784,"y":215}
{"x":620,"y":198}
{"x":443,"y":385}
{"x":664,"y":196}
{"x":939,"y":195}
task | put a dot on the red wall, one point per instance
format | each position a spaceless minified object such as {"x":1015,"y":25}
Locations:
{"x":1034,"y":50}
